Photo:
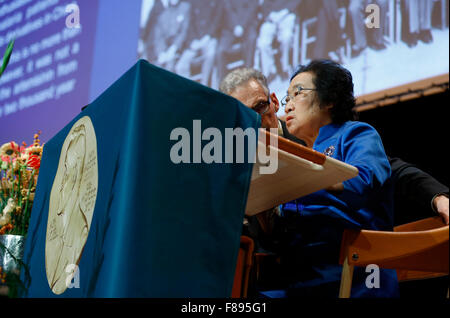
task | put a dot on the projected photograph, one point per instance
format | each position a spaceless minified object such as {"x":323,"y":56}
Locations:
{"x":384,"y":43}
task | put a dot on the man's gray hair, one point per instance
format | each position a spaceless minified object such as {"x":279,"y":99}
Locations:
{"x":241,"y":76}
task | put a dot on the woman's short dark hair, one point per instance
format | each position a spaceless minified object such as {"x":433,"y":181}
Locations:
{"x":334,"y":85}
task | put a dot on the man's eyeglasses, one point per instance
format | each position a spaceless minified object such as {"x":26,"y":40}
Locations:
{"x":286,"y":99}
{"x":262,"y":107}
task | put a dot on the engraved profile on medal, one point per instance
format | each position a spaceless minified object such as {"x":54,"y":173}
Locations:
{"x":72,"y":202}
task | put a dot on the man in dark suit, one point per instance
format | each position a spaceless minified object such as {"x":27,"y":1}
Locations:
{"x":250,"y":87}
{"x":417,"y":194}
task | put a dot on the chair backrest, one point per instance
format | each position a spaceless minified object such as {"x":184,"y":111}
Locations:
{"x":416,"y":250}
{"x":243,"y":266}
{"x":439,"y":253}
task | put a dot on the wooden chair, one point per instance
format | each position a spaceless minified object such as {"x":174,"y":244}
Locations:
{"x":417,"y":250}
{"x":243,"y":266}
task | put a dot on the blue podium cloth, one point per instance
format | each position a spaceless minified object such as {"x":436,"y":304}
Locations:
{"x":159,"y":229}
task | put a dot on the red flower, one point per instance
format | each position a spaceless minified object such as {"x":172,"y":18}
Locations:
{"x":5,"y":228}
{"x":6,"y":159}
{"x":34,"y":162}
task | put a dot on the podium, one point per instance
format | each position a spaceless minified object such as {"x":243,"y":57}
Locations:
{"x":157,"y":229}
{"x":300,"y":171}
{"x":120,"y":212}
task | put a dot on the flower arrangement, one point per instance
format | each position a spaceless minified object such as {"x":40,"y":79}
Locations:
{"x":19,"y":169}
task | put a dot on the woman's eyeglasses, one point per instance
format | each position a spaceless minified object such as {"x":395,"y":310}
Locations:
{"x":286,"y":99}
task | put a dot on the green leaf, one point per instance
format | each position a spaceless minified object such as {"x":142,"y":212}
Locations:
{"x":7,"y":56}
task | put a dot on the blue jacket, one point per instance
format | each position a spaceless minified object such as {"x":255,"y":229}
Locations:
{"x":310,"y":228}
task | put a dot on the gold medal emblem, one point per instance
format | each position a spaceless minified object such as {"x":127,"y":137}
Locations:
{"x":72,"y":202}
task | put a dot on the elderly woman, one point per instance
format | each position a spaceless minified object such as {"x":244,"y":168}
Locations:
{"x":307,"y":236}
